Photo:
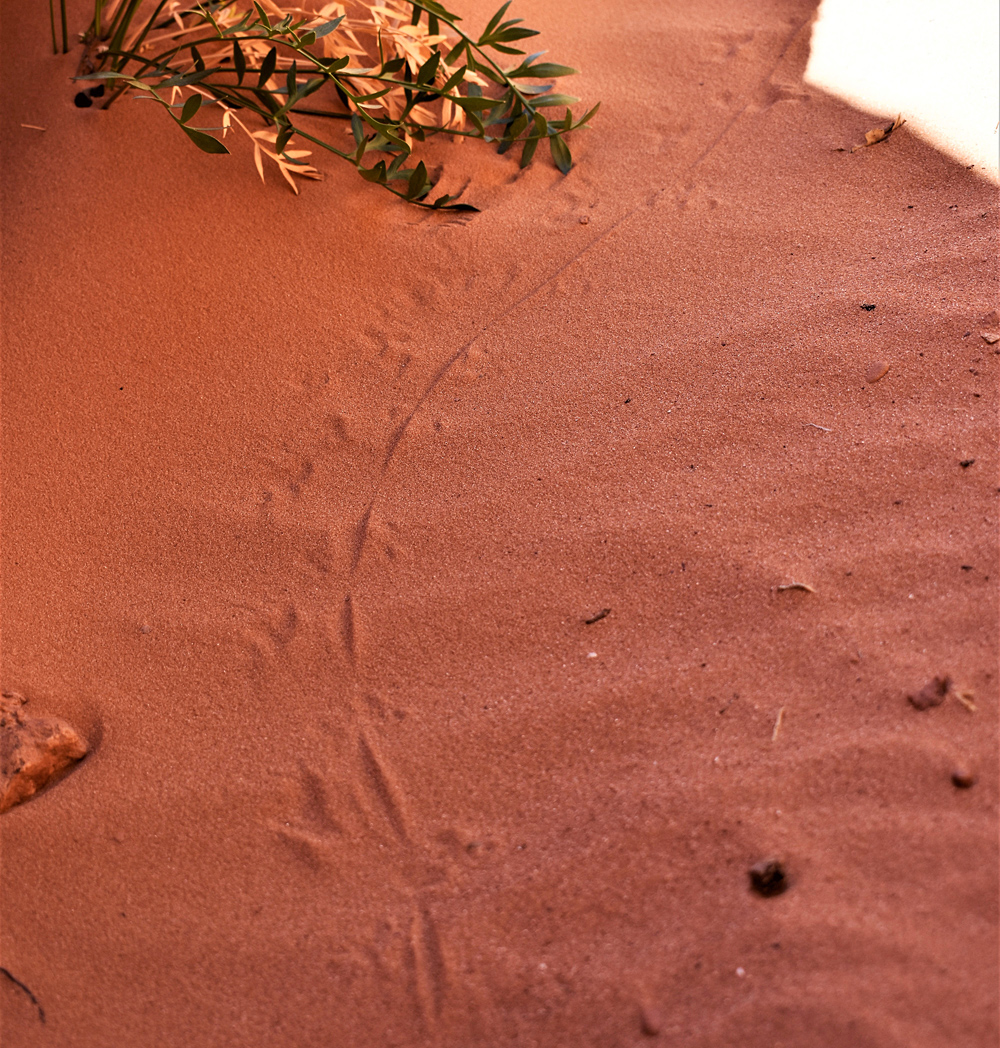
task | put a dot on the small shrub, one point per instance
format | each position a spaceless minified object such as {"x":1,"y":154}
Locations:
{"x":387,"y":75}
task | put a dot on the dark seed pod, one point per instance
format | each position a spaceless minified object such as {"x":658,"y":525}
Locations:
{"x":768,"y":877}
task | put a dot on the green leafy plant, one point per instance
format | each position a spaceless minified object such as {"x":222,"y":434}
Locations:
{"x":393,"y":72}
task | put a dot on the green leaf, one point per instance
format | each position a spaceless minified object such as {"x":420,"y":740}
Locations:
{"x":438,"y":9}
{"x":453,"y":54}
{"x":307,"y":39}
{"x":472,"y":104}
{"x":560,"y":154}
{"x":239,"y":62}
{"x":584,"y":120}
{"x":327,"y":27}
{"x":493,"y":23}
{"x":529,"y":151}
{"x":191,"y":106}
{"x":283,"y":136}
{"x":418,"y":183}
{"x":265,"y":21}
{"x":455,"y":79}
{"x":429,"y":69}
{"x":373,"y":174}
{"x":518,"y":126}
{"x":311,"y":86}
{"x":553,"y":100}
{"x":393,"y":65}
{"x":290,"y":81}
{"x":544,"y":70}
{"x":267,"y":66}
{"x":206,"y":143}
{"x":510,"y":35}
{"x":357,"y":129}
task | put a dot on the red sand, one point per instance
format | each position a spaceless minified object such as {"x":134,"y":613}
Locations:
{"x":306,"y":501}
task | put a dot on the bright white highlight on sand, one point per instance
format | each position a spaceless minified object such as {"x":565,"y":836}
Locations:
{"x":935,"y":61}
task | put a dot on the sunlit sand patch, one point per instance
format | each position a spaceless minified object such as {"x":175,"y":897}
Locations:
{"x":935,"y":63}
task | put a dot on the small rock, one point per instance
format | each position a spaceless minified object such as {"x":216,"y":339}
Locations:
{"x":991,"y":337}
{"x":584,"y":220}
{"x":82,"y":100}
{"x":963,"y":778}
{"x":768,"y":877}
{"x":931,"y":694}
{"x":876,"y":370}
{"x":867,"y":306}
{"x":33,"y":750}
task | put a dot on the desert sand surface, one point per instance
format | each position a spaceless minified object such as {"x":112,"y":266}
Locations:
{"x":307,"y":502}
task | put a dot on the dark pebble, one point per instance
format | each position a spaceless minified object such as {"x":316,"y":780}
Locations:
{"x":931,"y":694}
{"x":768,"y":877}
{"x":963,"y":778}
{"x":96,"y":92}
{"x":83,"y":100}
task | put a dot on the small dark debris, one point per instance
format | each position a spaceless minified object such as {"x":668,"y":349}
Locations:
{"x":768,"y":877}
{"x":963,"y":778}
{"x":966,"y":567}
{"x":868,"y":306}
{"x":96,"y":92}
{"x":965,"y":463}
{"x":650,"y":1020}
{"x":602,"y":614}
{"x":82,"y":100}
{"x":628,"y":400}
{"x":931,"y":694}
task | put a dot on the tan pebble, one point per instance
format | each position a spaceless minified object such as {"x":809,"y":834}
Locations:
{"x":876,"y":370}
{"x":33,"y":751}
{"x":991,"y":337}
{"x":963,"y":778}
{"x":584,"y":220}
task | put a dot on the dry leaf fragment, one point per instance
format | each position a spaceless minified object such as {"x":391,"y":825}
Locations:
{"x":796,"y":586}
{"x":880,"y":134}
{"x":967,"y":699}
{"x":777,"y":724}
